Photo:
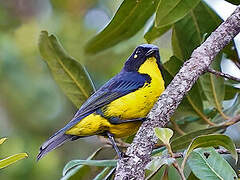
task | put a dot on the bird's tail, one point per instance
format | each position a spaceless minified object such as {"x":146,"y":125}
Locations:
{"x":53,"y":142}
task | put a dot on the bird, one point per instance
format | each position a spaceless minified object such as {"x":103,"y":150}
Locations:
{"x":118,"y":108}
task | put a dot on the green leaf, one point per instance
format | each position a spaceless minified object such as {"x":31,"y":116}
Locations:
{"x":2,"y":140}
{"x":12,"y":159}
{"x":192,"y":177}
{"x":188,"y":33}
{"x":171,"y":11}
{"x":212,"y":141}
{"x":230,"y":91}
{"x":100,"y":163}
{"x":71,"y":170}
{"x":103,"y":173}
{"x":164,"y":134}
{"x":154,"y":33}
{"x":130,"y":17}
{"x":230,"y":112}
{"x":71,"y":76}
{"x":236,"y":2}
{"x":208,"y":164}
{"x":213,"y":86}
{"x":183,"y":141}
{"x":158,"y":162}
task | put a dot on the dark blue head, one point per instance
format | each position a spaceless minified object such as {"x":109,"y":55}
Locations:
{"x":139,"y":56}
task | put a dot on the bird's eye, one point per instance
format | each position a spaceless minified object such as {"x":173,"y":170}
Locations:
{"x":137,"y":53}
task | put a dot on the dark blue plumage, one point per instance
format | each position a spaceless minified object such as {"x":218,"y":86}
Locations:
{"x":127,"y":81}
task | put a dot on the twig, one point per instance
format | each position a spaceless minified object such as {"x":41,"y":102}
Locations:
{"x":139,"y":153}
{"x":218,"y":73}
{"x":232,"y":121}
{"x":180,"y":170}
{"x":175,"y":164}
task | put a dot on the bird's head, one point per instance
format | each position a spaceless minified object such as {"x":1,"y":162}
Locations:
{"x":140,"y":55}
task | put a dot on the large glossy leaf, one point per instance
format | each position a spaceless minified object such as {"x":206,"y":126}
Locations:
{"x":129,"y":19}
{"x":71,"y":76}
{"x":188,"y":33}
{"x":182,"y":142}
{"x":208,"y":164}
{"x":170,"y":11}
{"x":12,"y":159}
{"x":192,"y":177}
{"x":213,"y":86}
{"x":230,"y":112}
{"x":212,"y":140}
{"x":154,"y":32}
{"x":72,"y":170}
{"x":192,"y":103}
{"x":230,"y":91}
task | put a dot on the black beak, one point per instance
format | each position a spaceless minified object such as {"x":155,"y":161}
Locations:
{"x":151,"y":51}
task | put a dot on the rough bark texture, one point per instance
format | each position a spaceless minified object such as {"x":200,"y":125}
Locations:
{"x":133,"y":167}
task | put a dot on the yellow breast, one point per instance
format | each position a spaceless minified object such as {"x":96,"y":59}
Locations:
{"x":138,"y":103}
{"x":134,"y":105}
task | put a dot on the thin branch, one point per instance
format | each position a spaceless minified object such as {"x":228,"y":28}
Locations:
{"x":232,"y":121}
{"x":180,"y":170}
{"x":217,"y":73}
{"x":139,"y":153}
{"x":175,"y":164}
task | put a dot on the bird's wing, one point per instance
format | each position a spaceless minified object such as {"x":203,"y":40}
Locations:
{"x":118,"y":86}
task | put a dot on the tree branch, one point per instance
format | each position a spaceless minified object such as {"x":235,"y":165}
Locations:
{"x":228,"y":76}
{"x":139,"y":153}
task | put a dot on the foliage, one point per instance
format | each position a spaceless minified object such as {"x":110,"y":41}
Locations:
{"x":69,"y":73}
{"x":208,"y":164}
{"x":189,"y":28}
{"x":11,"y":159}
{"x":38,"y":107}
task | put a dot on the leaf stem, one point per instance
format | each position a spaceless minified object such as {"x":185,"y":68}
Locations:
{"x":180,"y":170}
{"x":175,"y":164}
{"x":225,"y":75}
{"x":177,"y":128}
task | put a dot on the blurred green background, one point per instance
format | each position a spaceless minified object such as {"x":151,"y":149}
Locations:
{"x":32,"y":106}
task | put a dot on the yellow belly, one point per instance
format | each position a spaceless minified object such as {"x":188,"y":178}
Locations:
{"x":95,"y":124}
{"x":133,"y":105}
